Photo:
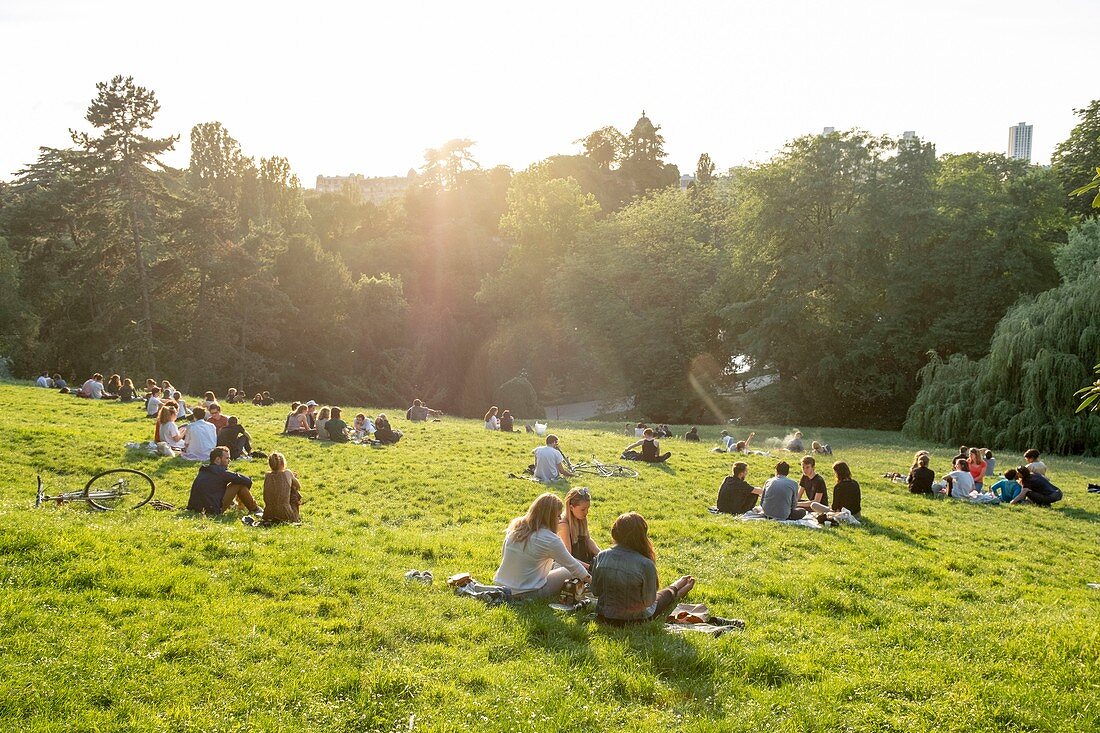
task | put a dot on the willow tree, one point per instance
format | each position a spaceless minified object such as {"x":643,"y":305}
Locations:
{"x":1022,"y":395}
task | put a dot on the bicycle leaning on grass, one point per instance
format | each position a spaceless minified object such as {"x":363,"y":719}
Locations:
{"x":606,"y":470}
{"x":116,"y":488}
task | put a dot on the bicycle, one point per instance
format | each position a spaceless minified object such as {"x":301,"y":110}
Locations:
{"x":606,"y":470}
{"x":116,"y":488}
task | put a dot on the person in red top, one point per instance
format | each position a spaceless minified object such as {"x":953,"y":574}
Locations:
{"x":976,"y":465}
{"x":216,"y":417}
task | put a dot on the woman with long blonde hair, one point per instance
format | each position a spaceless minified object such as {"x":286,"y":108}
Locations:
{"x":166,"y":430}
{"x":282,"y":492}
{"x":624,"y":578}
{"x":573,"y":526}
{"x":492,"y":422}
{"x":531,"y":547}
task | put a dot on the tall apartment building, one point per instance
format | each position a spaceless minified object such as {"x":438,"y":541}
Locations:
{"x":375,"y":189}
{"x":1019,"y":142}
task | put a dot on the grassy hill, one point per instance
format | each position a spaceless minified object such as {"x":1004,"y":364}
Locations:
{"x":932,"y":616}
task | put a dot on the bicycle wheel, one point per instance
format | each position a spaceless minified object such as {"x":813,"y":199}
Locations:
{"x":119,"y":488}
{"x":621,"y":472}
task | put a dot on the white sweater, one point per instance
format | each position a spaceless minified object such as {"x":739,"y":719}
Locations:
{"x":526,"y":564}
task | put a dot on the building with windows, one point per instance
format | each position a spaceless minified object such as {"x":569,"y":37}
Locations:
{"x":374,"y":189}
{"x":1019,"y":142}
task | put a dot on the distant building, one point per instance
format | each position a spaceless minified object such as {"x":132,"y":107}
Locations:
{"x":686,"y":180}
{"x":828,"y":130}
{"x":1019,"y":142}
{"x":909,"y":135}
{"x":374,"y":189}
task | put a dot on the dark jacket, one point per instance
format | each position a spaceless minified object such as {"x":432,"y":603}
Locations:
{"x":735,"y":496}
{"x":208,"y":488}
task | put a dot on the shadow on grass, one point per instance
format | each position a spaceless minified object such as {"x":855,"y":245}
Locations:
{"x":892,"y":533}
{"x":1077,"y":513}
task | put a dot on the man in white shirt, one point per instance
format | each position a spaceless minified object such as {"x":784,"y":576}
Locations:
{"x":550,"y":464}
{"x":200,"y":438}
{"x":44,"y":380}
{"x":1034,"y":465}
{"x":960,"y":483}
{"x":93,"y":388}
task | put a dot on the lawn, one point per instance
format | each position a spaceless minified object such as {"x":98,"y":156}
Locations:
{"x":931,"y":616}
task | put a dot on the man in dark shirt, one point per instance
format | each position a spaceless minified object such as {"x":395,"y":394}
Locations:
{"x":216,"y":488}
{"x":737,"y":496}
{"x":1036,"y":488}
{"x":234,"y":437}
{"x":812,"y":485}
{"x":336,"y":428}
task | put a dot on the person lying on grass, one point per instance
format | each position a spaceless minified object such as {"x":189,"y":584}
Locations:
{"x":282,"y":492}
{"x":846,"y":492}
{"x":1036,"y":488}
{"x":216,"y":489}
{"x":736,"y":495}
{"x":779,"y":499}
{"x":624,"y":577}
{"x":573,"y":526}
{"x":651,"y":449}
{"x":550,"y":463}
{"x":531,"y":549}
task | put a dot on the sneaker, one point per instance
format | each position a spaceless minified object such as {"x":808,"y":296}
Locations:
{"x":248,"y":521}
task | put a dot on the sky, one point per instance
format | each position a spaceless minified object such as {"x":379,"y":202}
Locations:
{"x":341,"y":88}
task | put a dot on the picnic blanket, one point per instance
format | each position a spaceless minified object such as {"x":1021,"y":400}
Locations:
{"x":844,"y":516}
{"x":696,"y":617}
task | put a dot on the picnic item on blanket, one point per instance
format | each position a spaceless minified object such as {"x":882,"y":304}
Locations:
{"x":697,"y":617}
{"x":419,"y":576}
{"x":458,"y":580}
{"x":162,"y":506}
{"x":465,"y":585}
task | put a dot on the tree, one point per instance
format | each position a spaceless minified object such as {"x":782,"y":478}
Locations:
{"x":643,"y":161}
{"x":1076,"y":158}
{"x":444,"y":165}
{"x":605,"y":147}
{"x":704,"y":171}
{"x":129,"y":194}
{"x":518,"y":395}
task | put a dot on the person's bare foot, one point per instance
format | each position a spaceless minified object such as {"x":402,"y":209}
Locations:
{"x":684,"y":586}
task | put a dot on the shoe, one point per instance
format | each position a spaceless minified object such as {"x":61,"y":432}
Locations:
{"x":259,"y":513}
{"x":248,"y":521}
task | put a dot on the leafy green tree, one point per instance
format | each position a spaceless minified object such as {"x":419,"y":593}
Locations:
{"x":1076,"y":160}
{"x":131,"y":197}
{"x":704,"y":171}
{"x":605,"y":147}
{"x":519,"y":396}
{"x":444,"y":165}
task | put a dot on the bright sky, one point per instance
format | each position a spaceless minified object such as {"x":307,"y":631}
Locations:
{"x":346,"y":87}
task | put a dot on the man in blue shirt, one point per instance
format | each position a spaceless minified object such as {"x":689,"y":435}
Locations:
{"x":216,"y":488}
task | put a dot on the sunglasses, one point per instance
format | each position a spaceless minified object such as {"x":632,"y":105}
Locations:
{"x":584,"y":493}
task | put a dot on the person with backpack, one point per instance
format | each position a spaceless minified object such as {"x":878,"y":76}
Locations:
{"x":651,"y":449}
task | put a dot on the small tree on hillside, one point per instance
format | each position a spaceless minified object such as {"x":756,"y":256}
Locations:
{"x":519,"y":396}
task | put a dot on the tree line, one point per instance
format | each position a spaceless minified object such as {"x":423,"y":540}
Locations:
{"x":831,"y":270}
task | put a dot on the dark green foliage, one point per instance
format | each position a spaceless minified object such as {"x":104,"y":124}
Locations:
{"x":1075,"y":160}
{"x":1022,"y":394}
{"x":518,"y":395}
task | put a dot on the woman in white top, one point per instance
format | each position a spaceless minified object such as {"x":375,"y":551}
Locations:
{"x":531,"y":548}
{"x":182,"y":405}
{"x":492,"y":422}
{"x":322,"y":420}
{"x":167,"y":431}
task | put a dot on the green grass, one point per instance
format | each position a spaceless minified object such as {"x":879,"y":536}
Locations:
{"x":932,"y":616}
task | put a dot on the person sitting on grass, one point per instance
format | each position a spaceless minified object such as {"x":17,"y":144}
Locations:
{"x":92,"y":388}
{"x":573,"y":526}
{"x":726,"y":443}
{"x":267,"y":400}
{"x":1036,"y":488}
{"x":507,"y":422}
{"x":736,"y":495}
{"x":166,"y":431}
{"x":692,"y":435}
{"x":794,"y":444}
{"x":208,"y":399}
{"x":232,"y":397}
{"x":779,"y":498}
{"x":976,"y":465}
{"x":215,"y":416}
{"x":920,"y":475}
{"x":258,"y":399}
{"x":624,"y":577}
{"x":419,"y":412}
{"x":44,"y":380}
{"x":651,"y":449}
{"x":492,"y":422}
{"x":964,"y":453}
{"x":531,"y":550}
{"x":846,"y":493}
{"x":959,"y":483}
{"x":811,"y":486}
{"x":384,"y":432}
{"x":311,"y":415}
{"x":234,"y":437}
{"x":184,"y":412}
{"x":1008,"y":488}
{"x":322,"y":420}
{"x":216,"y":489}
{"x":550,"y":463}
{"x":336,"y":429}
{"x":282,"y":492}
{"x":1034,"y":465}
{"x":127,"y":393}
{"x":199,"y":438}
{"x":292,"y":415}
{"x":362,"y":427}
{"x":153,"y":402}
{"x":114,"y":385}
{"x":990,"y":464}
{"x":298,"y":424}
{"x":59,"y":383}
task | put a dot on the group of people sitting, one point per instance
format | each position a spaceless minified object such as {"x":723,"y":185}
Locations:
{"x":660,"y":431}
{"x":310,"y":420}
{"x":781,"y":498}
{"x":505,"y":422}
{"x":207,"y":428}
{"x":551,"y":544}
{"x":972,"y":468}
{"x":216,"y":489}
